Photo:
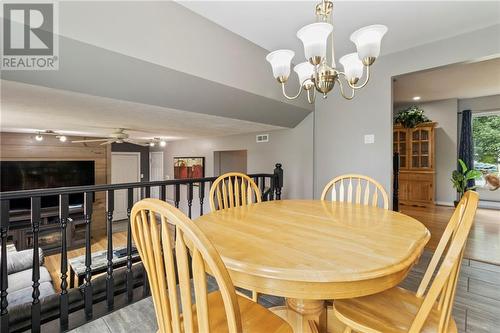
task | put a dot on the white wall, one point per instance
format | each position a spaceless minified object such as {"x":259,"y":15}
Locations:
{"x":290,"y":147}
{"x":340,"y":124}
{"x":444,"y":112}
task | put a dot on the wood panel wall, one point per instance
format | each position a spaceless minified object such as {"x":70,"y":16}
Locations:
{"x":17,"y":146}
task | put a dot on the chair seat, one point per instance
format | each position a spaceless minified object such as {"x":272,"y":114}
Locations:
{"x":254,"y":317}
{"x":391,"y":311}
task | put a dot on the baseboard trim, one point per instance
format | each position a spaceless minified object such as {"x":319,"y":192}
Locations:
{"x":489,"y":204}
{"x":445,"y":203}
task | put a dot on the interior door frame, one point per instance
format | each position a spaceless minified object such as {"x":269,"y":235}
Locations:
{"x":162,"y":163}
{"x":129,"y":153}
{"x":155,"y":191}
{"x":137,"y":193}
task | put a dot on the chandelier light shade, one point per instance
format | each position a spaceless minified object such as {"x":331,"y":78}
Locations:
{"x":319,"y":73}
{"x":314,"y":37}
{"x":305,"y":72}
{"x":280,"y":61}
{"x":368,"y":41}
{"x":353,"y":67}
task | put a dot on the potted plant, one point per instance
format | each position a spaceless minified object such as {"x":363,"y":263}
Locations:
{"x":411,"y":117}
{"x":460,"y":179}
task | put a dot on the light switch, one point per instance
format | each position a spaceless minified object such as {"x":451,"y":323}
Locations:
{"x":369,"y":138}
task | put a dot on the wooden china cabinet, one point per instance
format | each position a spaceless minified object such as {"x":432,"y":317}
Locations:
{"x":416,"y":148}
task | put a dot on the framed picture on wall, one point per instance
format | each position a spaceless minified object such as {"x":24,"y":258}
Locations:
{"x":189,"y":167}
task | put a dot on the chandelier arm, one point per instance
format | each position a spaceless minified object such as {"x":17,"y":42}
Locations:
{"x":313,"y":99}
{"x":290,"y":97}
{"x":342,"y":90}
{"x":362,"y":85}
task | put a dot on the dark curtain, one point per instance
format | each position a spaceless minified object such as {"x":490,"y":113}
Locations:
{"x":466,"y":146}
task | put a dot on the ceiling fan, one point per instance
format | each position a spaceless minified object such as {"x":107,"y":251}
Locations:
{"x":119,"y":136}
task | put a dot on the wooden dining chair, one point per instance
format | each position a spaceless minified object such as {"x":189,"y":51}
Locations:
{"x":219,"y":311}
{"x":429,"y":309}
{"x":355,"y":188}
{"x":233,"y":189}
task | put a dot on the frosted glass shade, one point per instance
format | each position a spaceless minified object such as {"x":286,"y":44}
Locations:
{"x":280,"y":61}
{"x":368,"y":40}
{"x":314,"y":37}
{"x":353,"y":67}
{"x":304,"y":70}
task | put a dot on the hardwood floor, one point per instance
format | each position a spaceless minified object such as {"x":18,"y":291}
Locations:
{"x":484,"y":239}
{"x":53,"y":262}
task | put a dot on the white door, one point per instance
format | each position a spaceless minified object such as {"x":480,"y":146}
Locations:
{"x":125,"y":168}
{"x":155,"y":171}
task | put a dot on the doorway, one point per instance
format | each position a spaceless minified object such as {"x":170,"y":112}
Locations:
{"x":230,"y":161}
{"x":155,"y":171}
{"x":125,"y":168}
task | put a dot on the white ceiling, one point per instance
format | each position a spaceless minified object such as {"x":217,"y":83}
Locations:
{"x":273,"y":24}
{"x":29,"y":108}
{"x":454,"y":81}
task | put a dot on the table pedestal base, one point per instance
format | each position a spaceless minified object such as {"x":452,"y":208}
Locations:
{"x":309,"y":316}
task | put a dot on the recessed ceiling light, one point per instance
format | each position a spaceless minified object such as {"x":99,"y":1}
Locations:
{"x":63,"y":138}
{"x":151,"y":144}
{"x":39,"y":137}
{"x":163,"y":143}
{"x":416,"y":98}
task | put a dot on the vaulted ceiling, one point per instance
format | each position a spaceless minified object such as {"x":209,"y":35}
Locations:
{"x":150,"y":65}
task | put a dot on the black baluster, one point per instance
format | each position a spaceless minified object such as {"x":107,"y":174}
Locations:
{"x":35,"y":274}
{"x":262,"y":186}
{"x":201,"y":195}
{"x":145,"y":287}
{"x":278,"y":182}
{"x":63,"y":218}
{"x":130,"y":280}
{"x":109,"y":254}
{"x":163,"y":193}
{"x":4,"y":228}
{"x":148,"y":191}
{"x":271,"y":189}
{"x":177,"y":195}
{"x":256,"y":180}
{"x":190,"y":198}
{"x":87,"y":208}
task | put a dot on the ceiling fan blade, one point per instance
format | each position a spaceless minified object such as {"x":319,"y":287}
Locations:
{"x":107,"y":142}
{"x":91,"y":140}
{"x":137,"y":142}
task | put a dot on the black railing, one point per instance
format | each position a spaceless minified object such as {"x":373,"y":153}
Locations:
{"x":71,"y":307}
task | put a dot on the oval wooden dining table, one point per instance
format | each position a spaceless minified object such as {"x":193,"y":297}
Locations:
{"x":309,"y":251}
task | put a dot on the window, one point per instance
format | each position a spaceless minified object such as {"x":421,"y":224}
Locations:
{"x":486,"y":135}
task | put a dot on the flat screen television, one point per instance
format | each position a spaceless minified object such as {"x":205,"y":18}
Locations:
{"x":29,"y":175}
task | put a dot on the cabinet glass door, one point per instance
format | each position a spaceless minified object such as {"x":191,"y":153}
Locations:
{"x":400,"y":140}
{"x":424,"y":148}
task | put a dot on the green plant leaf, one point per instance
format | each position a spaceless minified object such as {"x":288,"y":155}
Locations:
{"x":473,"y":174}
{"x":462,"y":164}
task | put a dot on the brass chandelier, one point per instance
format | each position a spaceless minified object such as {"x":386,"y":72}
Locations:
{"x":316,"y":74}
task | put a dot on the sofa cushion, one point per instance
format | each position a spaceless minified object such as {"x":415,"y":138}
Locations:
{"x":21,"y":260}
{"x":22,"y":279}
{"x":24,"y":295}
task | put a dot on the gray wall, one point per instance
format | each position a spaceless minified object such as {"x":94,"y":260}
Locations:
{"x":480,"y":104}
{"x":129,"y":147}
{"x":444,"y":112}
{"x":290,"y":147}
{"x":341,"y":125}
